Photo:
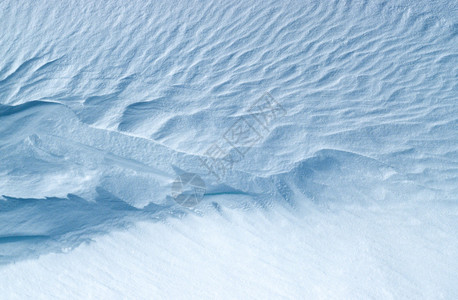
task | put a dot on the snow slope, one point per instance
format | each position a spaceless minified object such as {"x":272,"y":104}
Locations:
{"x":348,"y":191}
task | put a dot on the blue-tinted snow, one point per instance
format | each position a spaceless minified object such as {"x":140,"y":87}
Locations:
{"x":350,"y":192}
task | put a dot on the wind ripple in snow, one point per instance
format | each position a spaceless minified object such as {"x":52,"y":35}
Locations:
{"x":113,"y":97}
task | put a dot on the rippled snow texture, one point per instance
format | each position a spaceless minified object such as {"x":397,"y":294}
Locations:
{"x":102,"y":103}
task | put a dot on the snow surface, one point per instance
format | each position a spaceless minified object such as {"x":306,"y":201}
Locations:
{"x":351,"y":191}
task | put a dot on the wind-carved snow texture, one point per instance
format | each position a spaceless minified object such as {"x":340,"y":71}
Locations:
{"x":103,"y":105}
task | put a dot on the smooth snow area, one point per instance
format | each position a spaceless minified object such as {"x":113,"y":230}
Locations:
{"x":391,"y":252}
{"x":349,"y":190}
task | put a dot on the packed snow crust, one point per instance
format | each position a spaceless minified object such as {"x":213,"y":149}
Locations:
{"x":348,"y":189}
